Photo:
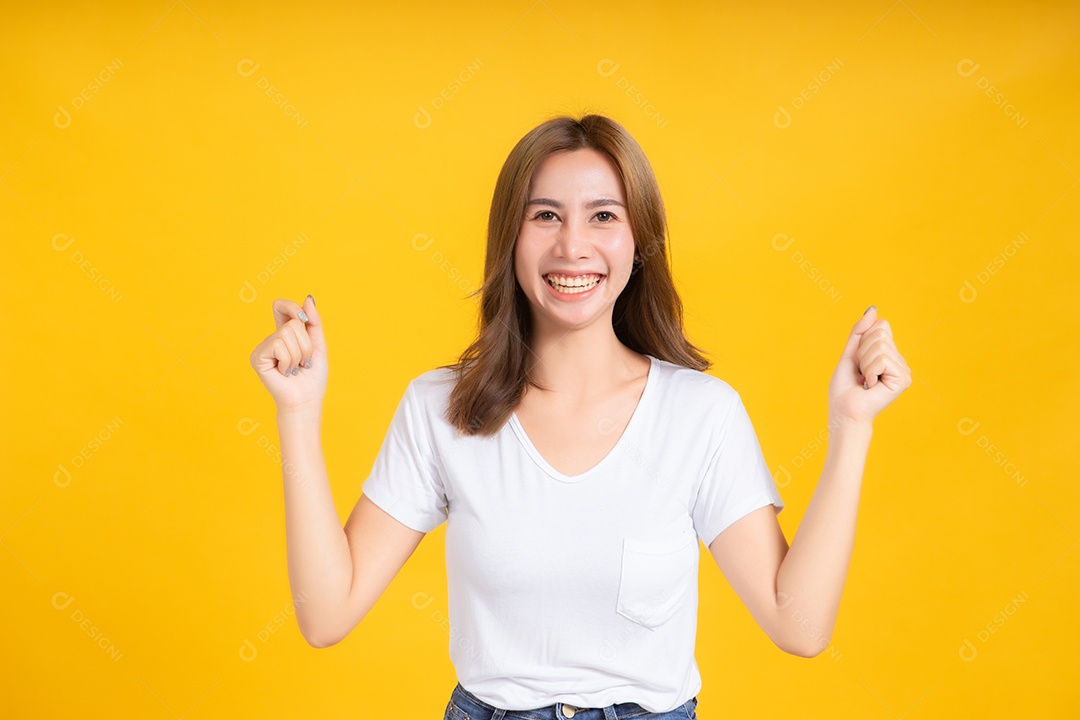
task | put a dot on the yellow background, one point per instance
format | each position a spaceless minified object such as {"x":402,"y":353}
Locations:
{"x":892,"y":151}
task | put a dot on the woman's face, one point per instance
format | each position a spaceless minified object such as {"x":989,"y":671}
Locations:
{"x":575,"y":249}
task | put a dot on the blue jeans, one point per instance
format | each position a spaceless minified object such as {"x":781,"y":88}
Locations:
{"x":464,"y":705}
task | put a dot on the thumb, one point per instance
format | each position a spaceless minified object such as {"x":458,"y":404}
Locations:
{"x":314,"y":325}
{"x":861,"y":326}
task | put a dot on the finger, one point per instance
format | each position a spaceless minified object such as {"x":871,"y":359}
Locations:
{"x":872,"y":371}
{"x":290,"y":358}
{"x":303,"y":343}
{"x":883,"y":365}
{"x":285,"y":310}
{"x":874,"y":341}
{"x":273,"y":353}
{"x":886,"y":370}
{"x":864,"y":324}
{"x":314,"y":328}
{"x":880,"y":327}
{"x":870,"y":366}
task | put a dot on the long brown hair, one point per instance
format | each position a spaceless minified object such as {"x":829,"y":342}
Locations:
{"x":648,"y":314}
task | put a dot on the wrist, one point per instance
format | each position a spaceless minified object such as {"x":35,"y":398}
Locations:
{"x":846,"y":427}
{"x":847,"y":438}
{"x":300,"y":414}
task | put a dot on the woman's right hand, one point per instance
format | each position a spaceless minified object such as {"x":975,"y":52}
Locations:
{"x":291,"y":362}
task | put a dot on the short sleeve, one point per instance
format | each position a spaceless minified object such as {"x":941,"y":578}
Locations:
{"x":404,"y":479}
{"x":737,"y":480}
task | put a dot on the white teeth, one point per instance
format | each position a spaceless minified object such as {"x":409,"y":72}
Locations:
{"x":573,"y":285}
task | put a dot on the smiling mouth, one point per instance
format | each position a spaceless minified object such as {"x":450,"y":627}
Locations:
{"x":572,"y":284}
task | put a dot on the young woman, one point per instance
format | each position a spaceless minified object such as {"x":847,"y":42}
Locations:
{"x":577,"y":452}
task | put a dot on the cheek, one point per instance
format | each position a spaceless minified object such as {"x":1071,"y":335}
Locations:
{"x":621,"y":251}
{"x":522,"y":260}
{"x":620,"y":246}
{"x":517,"y":270}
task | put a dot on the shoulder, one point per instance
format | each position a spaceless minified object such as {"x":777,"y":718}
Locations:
{"x":693,"y":405}
{"x":688,"y":387}
{"x":430,"y":391}
{"x":433,"y":381}
{"x":438,"y":381}
{"x":692,"y":399}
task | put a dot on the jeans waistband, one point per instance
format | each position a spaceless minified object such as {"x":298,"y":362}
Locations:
{"x":464,"y":705}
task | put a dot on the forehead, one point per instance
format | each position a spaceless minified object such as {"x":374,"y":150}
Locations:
{"x":577,"y":171}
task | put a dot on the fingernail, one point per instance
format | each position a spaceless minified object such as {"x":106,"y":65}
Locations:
{"x":864,"y":386}
{"x":312,"y":299}
{"x":296,"y":371}
{"x":869,"y":309}
{"x":303,"y":316}
{"x":308,"y":363}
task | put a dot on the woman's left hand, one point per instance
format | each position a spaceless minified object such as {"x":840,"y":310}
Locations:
{"x":871,"y":357}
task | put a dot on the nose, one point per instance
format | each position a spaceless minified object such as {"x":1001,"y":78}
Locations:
{"x":571,"y":241}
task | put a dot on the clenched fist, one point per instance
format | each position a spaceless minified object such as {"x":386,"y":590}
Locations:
{"x":291,"y":362}
{"x":871,"y":373}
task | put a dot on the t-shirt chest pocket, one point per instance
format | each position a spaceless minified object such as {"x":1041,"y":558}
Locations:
{"x":657,"y":574}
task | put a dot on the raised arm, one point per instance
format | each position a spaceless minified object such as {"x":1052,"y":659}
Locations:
{"x":794,"y":593}
{"x":336,"y":574}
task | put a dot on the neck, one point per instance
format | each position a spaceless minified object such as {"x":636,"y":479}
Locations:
{"x":581,"y":362}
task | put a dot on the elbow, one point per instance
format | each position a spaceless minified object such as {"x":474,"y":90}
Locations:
{"x":320,"y":637}
{"x":805,"y":647}
{"x":319,"y":643}
{"x":804,"y":651}
{"x":324,"y":628}
{"x":802,"y":638}
{"x":800,"y":644}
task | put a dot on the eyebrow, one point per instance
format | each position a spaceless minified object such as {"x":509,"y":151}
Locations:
{"x":589,"y":205}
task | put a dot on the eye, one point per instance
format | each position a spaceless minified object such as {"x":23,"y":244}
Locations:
{"x":605,"y":216}
{"x":544,"y":215}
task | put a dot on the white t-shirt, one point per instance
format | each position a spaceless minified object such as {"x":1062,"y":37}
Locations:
{"x":577,"y":589}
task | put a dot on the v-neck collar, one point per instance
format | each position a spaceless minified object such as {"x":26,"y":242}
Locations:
{"x":544,"y":465}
